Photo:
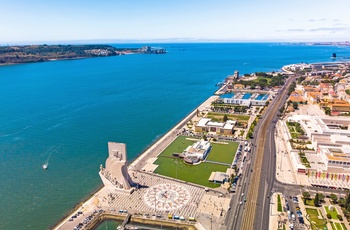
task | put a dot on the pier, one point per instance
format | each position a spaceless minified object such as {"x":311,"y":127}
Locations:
{"x":125,"y":222}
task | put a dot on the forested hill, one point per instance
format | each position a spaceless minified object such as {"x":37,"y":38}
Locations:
{"x":41,"y":53}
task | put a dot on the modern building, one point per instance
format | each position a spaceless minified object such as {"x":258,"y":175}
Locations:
{"x":199,"y":150}
{"x":219,"y":177}
{"x":206,"y":125}
{"x":330,"y":138}
{"x":241,"y":99}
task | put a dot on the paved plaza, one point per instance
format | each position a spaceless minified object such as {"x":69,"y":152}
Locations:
{"x":166,"y":197}
{"x":183,"y":199}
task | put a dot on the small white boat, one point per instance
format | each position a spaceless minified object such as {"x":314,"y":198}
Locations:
{"x":45,"y":166}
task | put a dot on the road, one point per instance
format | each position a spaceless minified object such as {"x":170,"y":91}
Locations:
{"x":259,"y":175}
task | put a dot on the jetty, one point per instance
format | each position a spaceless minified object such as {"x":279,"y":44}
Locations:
{"x":125,"y":222}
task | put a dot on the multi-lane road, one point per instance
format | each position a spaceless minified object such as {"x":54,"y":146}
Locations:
{"x":258,"y":173}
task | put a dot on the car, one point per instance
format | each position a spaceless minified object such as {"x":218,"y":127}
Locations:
{"x":301,"y":220}
{"x":242,"y":194}
{"x":240,"y":202}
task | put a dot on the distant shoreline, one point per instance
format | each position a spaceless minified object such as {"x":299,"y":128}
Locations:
{"x":10,"y":55}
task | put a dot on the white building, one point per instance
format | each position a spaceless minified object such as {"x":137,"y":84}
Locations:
{"x":200,"y":149}
{"x":330,"y":137}
{"x":206,"y":125}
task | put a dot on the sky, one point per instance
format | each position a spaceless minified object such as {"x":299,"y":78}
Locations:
{"x":35,"y":21}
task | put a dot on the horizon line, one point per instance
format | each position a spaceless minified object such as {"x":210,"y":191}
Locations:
{"x":166,"y":40}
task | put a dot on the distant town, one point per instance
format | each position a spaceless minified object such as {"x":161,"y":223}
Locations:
{"x":42,"y":53}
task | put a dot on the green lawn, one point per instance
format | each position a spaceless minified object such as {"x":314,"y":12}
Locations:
{"x":333,"y":226}
{"x":223,"y":152}
{"x":333,"y":213}
{"x":198,"y":174}
{"x":313,"y":215}
{"x":344,"y":227}
{"x":178,"y":146}
{"x":309,"y":202}
{"x":279,"y":205}
{"x":219,"y":116}
{"x":337,"y":226}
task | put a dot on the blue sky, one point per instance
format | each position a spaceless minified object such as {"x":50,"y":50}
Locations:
{"x":26,"y":21}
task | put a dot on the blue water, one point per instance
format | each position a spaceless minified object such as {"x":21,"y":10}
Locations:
{"x":261,"y":97}
{"x":65,"y":112}
{"x":227,"y":95}
{"x":246,"y":96}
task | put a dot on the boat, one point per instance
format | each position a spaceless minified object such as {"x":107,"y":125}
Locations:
{"x":45,"y":166}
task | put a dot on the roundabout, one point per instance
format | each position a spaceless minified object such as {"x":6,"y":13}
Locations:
{"x":166,"y":197}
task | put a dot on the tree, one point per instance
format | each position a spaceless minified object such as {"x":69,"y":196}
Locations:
{"x":306,"y":196}
{"x":295,"y":105}
{"x":317,"y":200}
{"x":340,"y":217}
{"x":205,"y":137}
{"x":225,"y":118}
{"x":334,"y":198}
{"x":327,"y":110}
{"x":321,"y":197}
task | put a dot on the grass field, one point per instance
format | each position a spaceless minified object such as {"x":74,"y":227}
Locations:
{"x":199,"y":174}
{"x":178,"y":146}
{"x":337,"y":226}
{"x":223,"y":152}
{"x":313,"y":215}
{"x":219,"y":117}
{"x":279,"y":205}
{"x":344,"y":227}
{"x":310,"y":202}
{"x":333,"y":213}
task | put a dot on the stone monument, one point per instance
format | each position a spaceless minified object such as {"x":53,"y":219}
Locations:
{"x":115,"y":175}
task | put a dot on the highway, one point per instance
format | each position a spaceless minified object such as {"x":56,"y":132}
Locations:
{"x":259,"y":175}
